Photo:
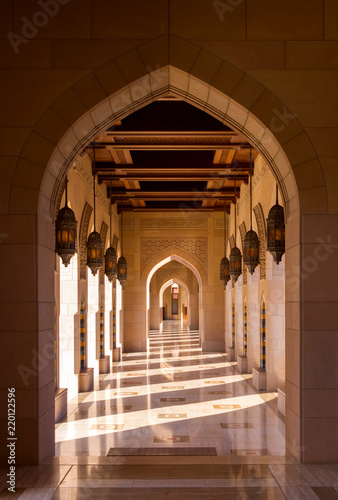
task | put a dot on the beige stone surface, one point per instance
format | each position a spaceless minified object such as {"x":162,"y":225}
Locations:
{"x":182,"y":53}
{"x":205,"y":21}
{"x":35,"y":54}
{"x":155,"y":53}
{"x":145,"y":20}
{"x":330,"y":20}
{"x":89,"y":53}
{"x":311,"y":55}
{"x":285,"y":20}
{"x":227,"y":78}
{"x":310,"y":94}
{"x":248,"y":54}
{"x":309,"y":175}
{"x":73,"y":20}
{"x":285,"y":74}
{"x":90,"y":91}
{"x":247,"y":91}
{"x":319,"y":433}
{"x":292,"y":358}
{"x":206,"y":66}
{"x":24,"y":106}
{"x":6,"y":18}
{"x":110,"y":78}
{"x":320,"y":368}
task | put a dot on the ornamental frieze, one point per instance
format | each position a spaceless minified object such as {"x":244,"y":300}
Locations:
{"x":197,"y":247}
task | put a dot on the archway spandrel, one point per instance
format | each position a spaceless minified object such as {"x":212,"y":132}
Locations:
{"x":255,"y":123}
{"x":197,"y":247}
{"x":170,"y":254}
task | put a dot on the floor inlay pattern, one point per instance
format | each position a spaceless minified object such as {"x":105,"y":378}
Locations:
{"x":158,"y":434}
{"x":167,"y":451}
{"x":83,"y":471}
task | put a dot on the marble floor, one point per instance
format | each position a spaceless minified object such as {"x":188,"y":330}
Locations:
{"x":174,"y":421}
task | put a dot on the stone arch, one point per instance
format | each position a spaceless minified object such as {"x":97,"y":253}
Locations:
{"x":170,"y":282}
{"x":174,"y":253}
{"x":260,"y":219}
{"x":242,"y":230}
{"x":179,"y":279}
{"x":86,"y":214}
{"x":211,"y":93}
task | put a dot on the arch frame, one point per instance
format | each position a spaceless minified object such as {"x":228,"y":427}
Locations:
{"x":163,"y":82}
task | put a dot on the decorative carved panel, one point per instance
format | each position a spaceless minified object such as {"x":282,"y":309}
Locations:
{"x":183,"y":273}
{"x":197,"y":247}
{"x":86,"y":214}
{"x":59,"y":197}
{"x":242,"y":230}
{"x":115,"y":242}
{"x":174,"y":223}
{"x":259,"y":214}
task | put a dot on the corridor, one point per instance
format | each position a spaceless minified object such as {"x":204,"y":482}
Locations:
{"x":176,"y":422}
{"x":175,"y":398}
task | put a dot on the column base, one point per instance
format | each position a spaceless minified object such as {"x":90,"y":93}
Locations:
{"x":104,"y":365}
{"x":242,"y":364}
{"x":281,"y":401}
{"x":117,"y":354}
{"x":86,"y":380}
{"x":231,"y":353}
{"x":61,"y":404}
{"x":259,"y":379}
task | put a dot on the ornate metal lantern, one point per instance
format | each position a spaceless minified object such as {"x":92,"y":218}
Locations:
{"x":224,"y":265}
{"x":94,"y":243}
{"x":235,"y":263}
{"x":110,"y":263}
{"x":66,"y":232}
{"x":251,"y":241}
{"x":122,"y":270}
{"x":235,"y":254}
{"x":110,"y":258}
{"x":94,"y":252}
{"x":224,"y":271}
{"x":122,"y":262}
{"x":276,"y":231}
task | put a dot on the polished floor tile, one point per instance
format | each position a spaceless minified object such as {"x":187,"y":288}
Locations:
{"x":152,"y":412}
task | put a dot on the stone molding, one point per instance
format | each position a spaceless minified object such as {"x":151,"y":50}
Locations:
{"x":86,"y":214}
{"x":258,"y":211}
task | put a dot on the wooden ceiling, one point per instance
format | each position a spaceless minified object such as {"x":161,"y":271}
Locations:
{"x":171,"y":156}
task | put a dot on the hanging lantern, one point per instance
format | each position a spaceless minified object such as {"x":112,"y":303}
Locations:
{"x":224,"y":265}
{"x":94,"y":252}
{"x":94,"y":243}
{"x":110,"y":263}
{"x":251,"y":241}
{"x":276,"y":231}
{"x":251,"y":250}
{"x":65,"y":232}
{"x":110,"y":258}
{"x":235,"y":258}
{"x":235,"y":263}
{"x":122,"y":270}
{"x":224,"y":271}
{"x":122,"y":262}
